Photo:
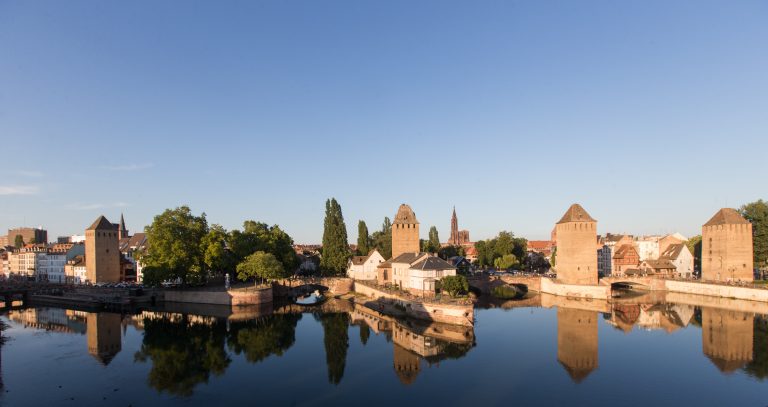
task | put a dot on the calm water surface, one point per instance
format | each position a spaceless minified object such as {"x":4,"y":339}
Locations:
{"x":565,"y":353}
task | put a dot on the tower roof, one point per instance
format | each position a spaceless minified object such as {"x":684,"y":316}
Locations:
{"x":122,"y":222}
{"x":405,"y":215}
{"x":101,"y":224}
{"x":726,"y":216}
{"x":576,"y":214}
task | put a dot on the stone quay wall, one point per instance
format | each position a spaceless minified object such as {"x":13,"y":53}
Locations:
{"x":456,"y":314}
{"x":718,"y":290}
{"x":235,"y":297}
{"x":598,"y":292}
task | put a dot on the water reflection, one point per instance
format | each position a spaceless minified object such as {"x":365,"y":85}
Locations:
{"x":577,"y":342}
{"x":186,"y":349}
{"x":727,"y":338}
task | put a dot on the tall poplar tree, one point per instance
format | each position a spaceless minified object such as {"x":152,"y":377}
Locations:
{"x":382,"y":239}
{"x":434,"y":239}
{"x":757,"y":214}
{"x":335,"y":244}
{"x":363,"y":240}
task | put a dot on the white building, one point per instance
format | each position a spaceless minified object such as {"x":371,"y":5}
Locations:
{"x":75,"y":270}
{"x":681,"y":257}
{"x":364,"y":267}
{"x":647,"y":247}
{"x":77,"y":239}
{"x":419,"y":272}
{"x":50,"y":266}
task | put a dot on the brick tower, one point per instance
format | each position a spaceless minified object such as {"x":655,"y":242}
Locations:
{"x":726,"y":247}
{"x":102,"y":252}
{"x":576,"y":247}
{"x":405,"y":232}
{"x":577,"y":348}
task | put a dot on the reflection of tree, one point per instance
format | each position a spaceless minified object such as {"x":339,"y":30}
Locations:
{"x":758,"y":367}
{"x":365,"y":333}
{"x":335,"y":327}
{"x":182,"y":354}
{"x":261,"y":338}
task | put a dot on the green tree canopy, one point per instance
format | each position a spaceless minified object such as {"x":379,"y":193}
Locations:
{"x":363,"y":239}
{"x":216,"y":254}
{"x":454,"y":285}
{"x":434,"y":239}
{"x":757,"y":214}
{"x":694,"y":245}
{"x":176,"y":250}
{"x":261,"y":265}
{"x":506,"y":262}
{"x":382,"y":239}
{"x":503,"y":244}
{"x":335,"y":243}
{"x":258,"y":236}
{"x":18,"y":241}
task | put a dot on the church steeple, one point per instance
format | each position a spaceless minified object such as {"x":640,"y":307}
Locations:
{"x":122,"y":231}
{"x":454,"y":239}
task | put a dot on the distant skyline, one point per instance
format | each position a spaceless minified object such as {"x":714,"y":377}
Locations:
{"x":651,"y":115}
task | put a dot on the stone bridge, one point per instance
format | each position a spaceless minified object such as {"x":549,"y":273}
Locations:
{"x":641,"y":283}
{"x":486,"y":284}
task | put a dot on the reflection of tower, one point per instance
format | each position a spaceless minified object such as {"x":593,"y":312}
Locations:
{"x":727,"y":338}
{"x":576,"y":252}
{"x":103,"y":336}
{"x":405,"y":232}
{"x":407,"y":365}
{"x":577,"y":342}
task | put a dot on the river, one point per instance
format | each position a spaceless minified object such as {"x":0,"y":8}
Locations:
{"x":542,"y":350}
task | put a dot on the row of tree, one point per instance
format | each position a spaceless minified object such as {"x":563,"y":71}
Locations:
{"x":182,"y":246}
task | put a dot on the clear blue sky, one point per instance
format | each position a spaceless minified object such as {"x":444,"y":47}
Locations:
{"x":651,"y":114}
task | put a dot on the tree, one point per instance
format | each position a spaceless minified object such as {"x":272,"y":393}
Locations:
{"x":176,"y":237}
{"x":453,"y":285}
{"x":757,"y":214}
{"x":505,"y":262}
{"x":363,"y":240}
{"x":447,"y":252}
{"x":553,"y":257}
{"x":694,"y":245}
{"x":265,"y":266}
{"x":434,"y":239}
{"x":365,"y":333}
{"x":216,"y":254}
{"x":382,"y":239}
{"x":258,"y":236}
{"x":18,"y":241}
{"x":335,"y":244}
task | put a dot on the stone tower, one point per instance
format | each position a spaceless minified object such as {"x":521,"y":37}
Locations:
{"x":102,"y":252}
{"x":405,"y":232}
{"x":454,"y":240}
{"x":726,"y":251}
{"x":576,"y":248}
{"x":727,"y":338}
{"x":577,"y":347}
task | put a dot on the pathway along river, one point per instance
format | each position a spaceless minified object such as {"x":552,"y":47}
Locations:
{"x":637,"y":352}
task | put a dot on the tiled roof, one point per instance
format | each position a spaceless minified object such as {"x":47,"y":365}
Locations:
{"x":624,"y":250}
{"x":673,"y":251}
{"x":576,"y":214}
{"x":102,"y":224}
{"x":726,"y":216}
{"x":409,"y":258}
{"x":433,"y":263}
{"x":405,"y":215}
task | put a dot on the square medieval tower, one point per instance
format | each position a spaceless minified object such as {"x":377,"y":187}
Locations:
{"x":726,"y":247}
{"x":405,"y":232}
{"x":102,"y":252}
{"x":576,"y":261}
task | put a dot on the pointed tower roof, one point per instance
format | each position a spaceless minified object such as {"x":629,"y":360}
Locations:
{"x":122,"y":222}
{"x":726,"y":216}
{"x":101,"y":223}
{"x":576,"y":214}
{"x":405,"y":215}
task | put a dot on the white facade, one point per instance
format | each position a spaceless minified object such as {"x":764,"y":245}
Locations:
{"x":50,"y":267}
{"x":424,"y":280}
{"x":22,"y":263}
{"x":647,"y":247}
{"x":77,"y":239}
{"x":365,"y":270}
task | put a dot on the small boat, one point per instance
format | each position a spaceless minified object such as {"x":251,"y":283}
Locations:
{"x":311,"y":299}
